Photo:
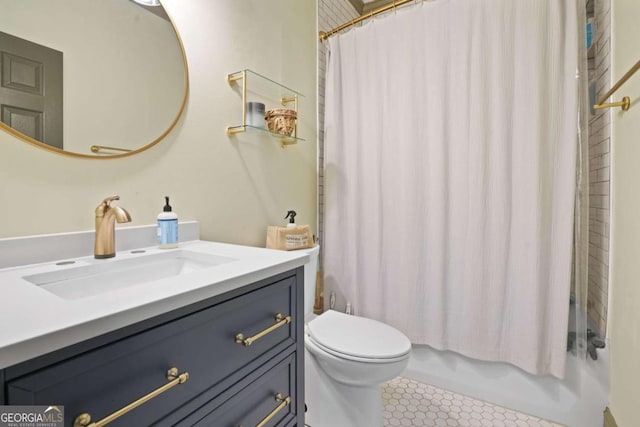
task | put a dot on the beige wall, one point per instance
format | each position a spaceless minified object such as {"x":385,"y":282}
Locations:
{"x":234,"y":186}
{"x":97,"y":66}
{"x":624,"y":317}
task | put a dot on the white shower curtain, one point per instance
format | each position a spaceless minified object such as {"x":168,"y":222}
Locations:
{"x":450,"y":152}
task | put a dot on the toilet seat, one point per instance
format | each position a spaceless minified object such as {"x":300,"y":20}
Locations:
{"x":357,"y":338}
{"x":357,"y":359}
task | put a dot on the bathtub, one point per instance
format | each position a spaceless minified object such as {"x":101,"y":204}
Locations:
{"x":577,"y":401}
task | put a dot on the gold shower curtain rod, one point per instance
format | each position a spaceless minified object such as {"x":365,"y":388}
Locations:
{"x":326,"y":34}
{"x":626,"y":101}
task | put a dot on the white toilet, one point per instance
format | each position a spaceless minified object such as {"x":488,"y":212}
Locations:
{"x":347,"y":358}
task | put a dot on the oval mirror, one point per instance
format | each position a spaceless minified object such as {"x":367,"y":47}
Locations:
{"x":97,"y":79}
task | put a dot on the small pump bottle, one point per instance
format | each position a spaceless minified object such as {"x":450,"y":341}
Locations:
{"x":167,"y":227}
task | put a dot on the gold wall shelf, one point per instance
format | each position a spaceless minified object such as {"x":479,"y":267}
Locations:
{"x":272,"y":91}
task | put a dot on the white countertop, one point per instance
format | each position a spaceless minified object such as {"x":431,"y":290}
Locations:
{"x":34,"y":321}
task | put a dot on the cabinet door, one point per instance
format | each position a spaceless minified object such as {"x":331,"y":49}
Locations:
{"x":257,"y":401}
{"x":203,"y":344}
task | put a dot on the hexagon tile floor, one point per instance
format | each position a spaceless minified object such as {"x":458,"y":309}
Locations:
{"x":411,"y":403}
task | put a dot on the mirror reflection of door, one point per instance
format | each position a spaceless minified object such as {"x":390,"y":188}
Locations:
{"x":31,"y":89}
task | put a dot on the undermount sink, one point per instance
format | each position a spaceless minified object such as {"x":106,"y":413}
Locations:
{"x":105,"y":276}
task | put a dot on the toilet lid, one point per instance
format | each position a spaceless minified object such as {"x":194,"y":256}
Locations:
{"x":357,"y":336}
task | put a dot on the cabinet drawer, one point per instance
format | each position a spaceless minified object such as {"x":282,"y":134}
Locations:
{"x":203,"y":344}
{"x":273,"y":393}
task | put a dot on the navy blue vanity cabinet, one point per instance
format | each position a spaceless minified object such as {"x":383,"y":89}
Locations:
{"x":243,"y":352}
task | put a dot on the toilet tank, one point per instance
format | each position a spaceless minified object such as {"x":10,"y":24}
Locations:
{"x":310,"y":270}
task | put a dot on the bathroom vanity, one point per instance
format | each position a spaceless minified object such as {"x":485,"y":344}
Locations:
{"x":215,"y":345}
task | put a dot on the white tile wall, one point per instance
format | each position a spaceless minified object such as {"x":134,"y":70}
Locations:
{"x":331,"y":13}
{"x":599,"y":172}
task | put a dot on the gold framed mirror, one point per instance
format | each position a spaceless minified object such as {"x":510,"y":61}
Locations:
{"x":123,"y":81}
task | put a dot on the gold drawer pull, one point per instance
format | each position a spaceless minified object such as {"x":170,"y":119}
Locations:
{"x":280,"y":319}
{"x":174,"y":378}
{"x":284,"y":402}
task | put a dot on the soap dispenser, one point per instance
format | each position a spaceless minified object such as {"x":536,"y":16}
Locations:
{"x":167,"y":227}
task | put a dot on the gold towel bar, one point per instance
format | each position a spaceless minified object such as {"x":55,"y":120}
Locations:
{"x":326,"y":34}
{"x":626,"y":101}
{"x":99,"y":148}
{"x":281,"y":321}
{"x":624,"y":104}
{"x":174,"y":378}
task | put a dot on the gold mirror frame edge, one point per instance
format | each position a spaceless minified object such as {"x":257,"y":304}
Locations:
{"x":46,"y":147}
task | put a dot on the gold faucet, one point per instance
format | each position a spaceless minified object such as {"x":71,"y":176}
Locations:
{"x":106,"y":216}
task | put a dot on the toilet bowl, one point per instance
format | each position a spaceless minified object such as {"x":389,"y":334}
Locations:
{"x":347,"y":358}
